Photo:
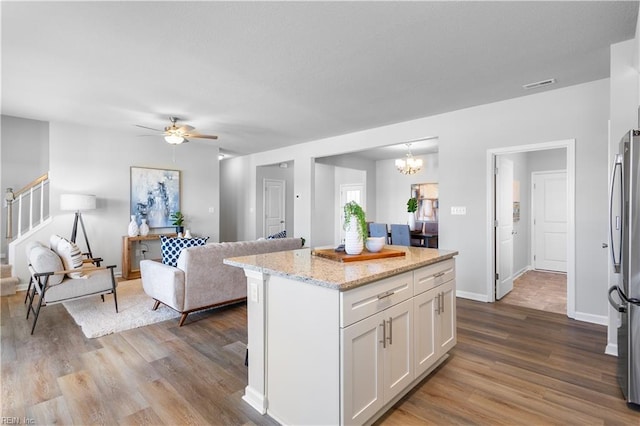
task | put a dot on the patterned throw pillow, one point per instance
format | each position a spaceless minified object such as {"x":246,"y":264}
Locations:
{"x":71,"y":256}
{"x":281,"y":234}
{"x":172,"y":247}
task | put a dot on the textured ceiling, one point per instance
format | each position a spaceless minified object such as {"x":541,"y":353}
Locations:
{"x":263,"y":75}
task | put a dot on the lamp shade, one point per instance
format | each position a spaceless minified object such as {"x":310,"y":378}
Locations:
{"x":77,"y":202}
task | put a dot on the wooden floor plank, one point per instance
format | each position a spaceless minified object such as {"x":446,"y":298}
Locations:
{"x":512,"y":365}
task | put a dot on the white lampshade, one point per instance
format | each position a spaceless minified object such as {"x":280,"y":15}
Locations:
{"x":174,"y":139}
{"x":77,"y":202}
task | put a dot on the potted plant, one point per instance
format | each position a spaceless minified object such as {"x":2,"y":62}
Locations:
{"x":177,"y":219}
{"x":412,"y":207}
{"x":355,"y":226}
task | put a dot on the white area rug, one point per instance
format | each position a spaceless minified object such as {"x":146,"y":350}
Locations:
{"x":134,"y":310}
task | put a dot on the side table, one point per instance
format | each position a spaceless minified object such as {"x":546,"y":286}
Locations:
{"x":127,"y":245}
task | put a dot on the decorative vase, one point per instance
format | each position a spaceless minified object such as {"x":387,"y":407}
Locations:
{"x":144,"y":228}
{"x":187,"y":234}
{"x":133,"y":227}
{"x":353,"y":243}
{"x":411,"y":221}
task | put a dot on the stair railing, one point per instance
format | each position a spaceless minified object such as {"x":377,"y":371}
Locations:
{"x":32,"y":194}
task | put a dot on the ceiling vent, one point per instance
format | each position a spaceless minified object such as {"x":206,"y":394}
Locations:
{"x":539,"y":84}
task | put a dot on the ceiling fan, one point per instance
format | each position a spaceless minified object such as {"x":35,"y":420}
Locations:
{"x":176,"y":134}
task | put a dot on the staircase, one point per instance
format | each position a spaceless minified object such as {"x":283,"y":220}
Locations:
{"x":7,"y":281}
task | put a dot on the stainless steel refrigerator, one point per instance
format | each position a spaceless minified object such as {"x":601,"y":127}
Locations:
{"x":624,"y":212}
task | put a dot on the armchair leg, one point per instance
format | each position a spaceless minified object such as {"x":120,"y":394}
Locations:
{"x":31,"y":294}
{"x":37,"y":313}
{"x":26,"y":296}
{"x":156,"y":305}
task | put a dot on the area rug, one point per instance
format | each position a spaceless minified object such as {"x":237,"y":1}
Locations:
{"x":134,"y":310}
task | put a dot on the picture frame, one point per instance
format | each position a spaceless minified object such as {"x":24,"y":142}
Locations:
{"x":427,"y":196}
{"x":155,"y":195}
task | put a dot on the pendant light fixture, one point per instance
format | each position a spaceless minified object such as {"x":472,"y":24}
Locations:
{"x":409,"y":165}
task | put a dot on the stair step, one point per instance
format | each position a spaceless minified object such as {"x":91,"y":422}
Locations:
{"x":5,"y":271}
{"x":8,"y":286}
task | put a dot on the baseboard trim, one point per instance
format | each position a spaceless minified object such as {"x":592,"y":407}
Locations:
{"x":611,"y":349}
{"x":472,"y":296}
{"x":594,"y":319}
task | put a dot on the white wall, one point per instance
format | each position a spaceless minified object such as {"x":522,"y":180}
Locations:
{"x":95,"y":161}
{"x":324,"y":223}
{"x":579,"y":112}
{"x":394,"y":188}
{"x":24,"y":154}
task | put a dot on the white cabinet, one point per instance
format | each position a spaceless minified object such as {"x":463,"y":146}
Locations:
{"x":434,"y":315}
{"x":377,"y":351}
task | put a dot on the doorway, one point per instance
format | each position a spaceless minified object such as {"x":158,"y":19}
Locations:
{"x":274,"y":206}
{"x":567,"y":147}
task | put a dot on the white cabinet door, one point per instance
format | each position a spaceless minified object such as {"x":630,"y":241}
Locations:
{"x":398,"y":351}
{"x":435,"y":325}
{"x":362,"y":365}
{"x":425,"y":317}
{"x":446,"y":331}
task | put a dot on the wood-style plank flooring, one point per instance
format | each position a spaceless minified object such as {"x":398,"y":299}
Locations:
{"x":546,"y":291}
{"x":512,"y":365}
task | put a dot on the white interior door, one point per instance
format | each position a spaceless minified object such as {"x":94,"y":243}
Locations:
{"x":550,"y":221}
{"x":504,"y":227}
{"x":350,"y":192}
{"x":274,"y":206}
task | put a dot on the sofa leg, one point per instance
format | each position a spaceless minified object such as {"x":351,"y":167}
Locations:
{"x":156,"y":305}
{"x":183,"y":318}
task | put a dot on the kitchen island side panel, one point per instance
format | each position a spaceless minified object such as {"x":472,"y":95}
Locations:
{"x":303,"y":352}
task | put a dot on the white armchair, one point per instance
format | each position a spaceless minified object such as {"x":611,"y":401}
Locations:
{"x":55,"y":282}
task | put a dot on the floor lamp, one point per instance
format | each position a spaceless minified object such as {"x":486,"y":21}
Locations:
{"x":77,"y":203}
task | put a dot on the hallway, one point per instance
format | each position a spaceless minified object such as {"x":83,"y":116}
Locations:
{"x":545,"y":291}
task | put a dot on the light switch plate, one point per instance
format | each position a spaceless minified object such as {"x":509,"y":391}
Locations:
{"x":459,"y":210}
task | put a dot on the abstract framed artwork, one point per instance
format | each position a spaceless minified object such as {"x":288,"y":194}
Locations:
{"x":155,"y":195}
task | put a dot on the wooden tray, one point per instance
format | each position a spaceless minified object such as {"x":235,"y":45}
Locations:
{"x":341,"y":256}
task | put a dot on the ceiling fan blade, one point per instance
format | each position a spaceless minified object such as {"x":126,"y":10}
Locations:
{"x":148,"y":128}
{"x":199,"y":136}
{"x":186,"y":128}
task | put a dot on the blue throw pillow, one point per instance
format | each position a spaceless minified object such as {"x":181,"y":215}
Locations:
{"x":281,"y":234}
{"x":172,"y":247}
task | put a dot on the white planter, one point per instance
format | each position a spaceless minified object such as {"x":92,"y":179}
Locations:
{"x":411,"y":221}
{"x":353,"y":243}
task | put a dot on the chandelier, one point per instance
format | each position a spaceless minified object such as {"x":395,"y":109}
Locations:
{"x":409,"y":165}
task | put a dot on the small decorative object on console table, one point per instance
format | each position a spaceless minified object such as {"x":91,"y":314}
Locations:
{"x":144,"y":228}
{"x":177,"y":219}
{"x":412,"y":206}
{"x":133,"y":229}
{"x":355,"y":227}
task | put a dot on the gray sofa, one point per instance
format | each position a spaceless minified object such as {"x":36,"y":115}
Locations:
{"x":201,"y":280}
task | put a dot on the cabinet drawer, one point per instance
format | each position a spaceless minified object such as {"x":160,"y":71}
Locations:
{"x":369,"y":299}
{"x":433,"y":275}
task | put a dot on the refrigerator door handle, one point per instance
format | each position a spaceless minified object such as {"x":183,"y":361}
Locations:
{"x":617,"y":259}
{"x":618,"y":307}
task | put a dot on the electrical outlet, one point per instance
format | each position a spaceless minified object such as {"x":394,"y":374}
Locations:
{"x":459,"y":210}
{"x":254,"y":292}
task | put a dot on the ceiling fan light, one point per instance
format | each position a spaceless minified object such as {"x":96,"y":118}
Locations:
{"x":174,"y":139}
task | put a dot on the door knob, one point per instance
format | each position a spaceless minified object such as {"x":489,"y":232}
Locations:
{"x":605,"y":245}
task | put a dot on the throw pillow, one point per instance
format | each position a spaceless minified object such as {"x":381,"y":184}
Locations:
{"x":53,"y":242}
{"x":71,"y":257}
{"x":281,"y":234}
{"x":43,"y":259}
{"x":172,"y":247}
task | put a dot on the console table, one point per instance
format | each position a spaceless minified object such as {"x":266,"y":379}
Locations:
{"x":127,"y":244}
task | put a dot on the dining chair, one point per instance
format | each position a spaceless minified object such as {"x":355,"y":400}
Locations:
{"x":378,"y":230}
{"x":400,"y":235}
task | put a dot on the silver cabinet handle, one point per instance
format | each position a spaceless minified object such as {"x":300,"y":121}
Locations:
{"x":386,"y":294}
{"x":442,"y":301}
{"x":384,"y":334}
{"x":438,"y":304}
{"x":390,"y":330}
{"x":439,"y":274}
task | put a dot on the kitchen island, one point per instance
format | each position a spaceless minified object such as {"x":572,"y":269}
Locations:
{"x":339,"y":343}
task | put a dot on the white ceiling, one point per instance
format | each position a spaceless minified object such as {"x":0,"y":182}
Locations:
{"x":263,"y":75}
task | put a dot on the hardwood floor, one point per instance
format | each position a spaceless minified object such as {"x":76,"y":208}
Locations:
{"x":512,"y":365}
{"x":545,"y":291}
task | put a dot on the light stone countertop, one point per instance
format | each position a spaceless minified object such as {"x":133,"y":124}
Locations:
{"x":301,"y":265}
